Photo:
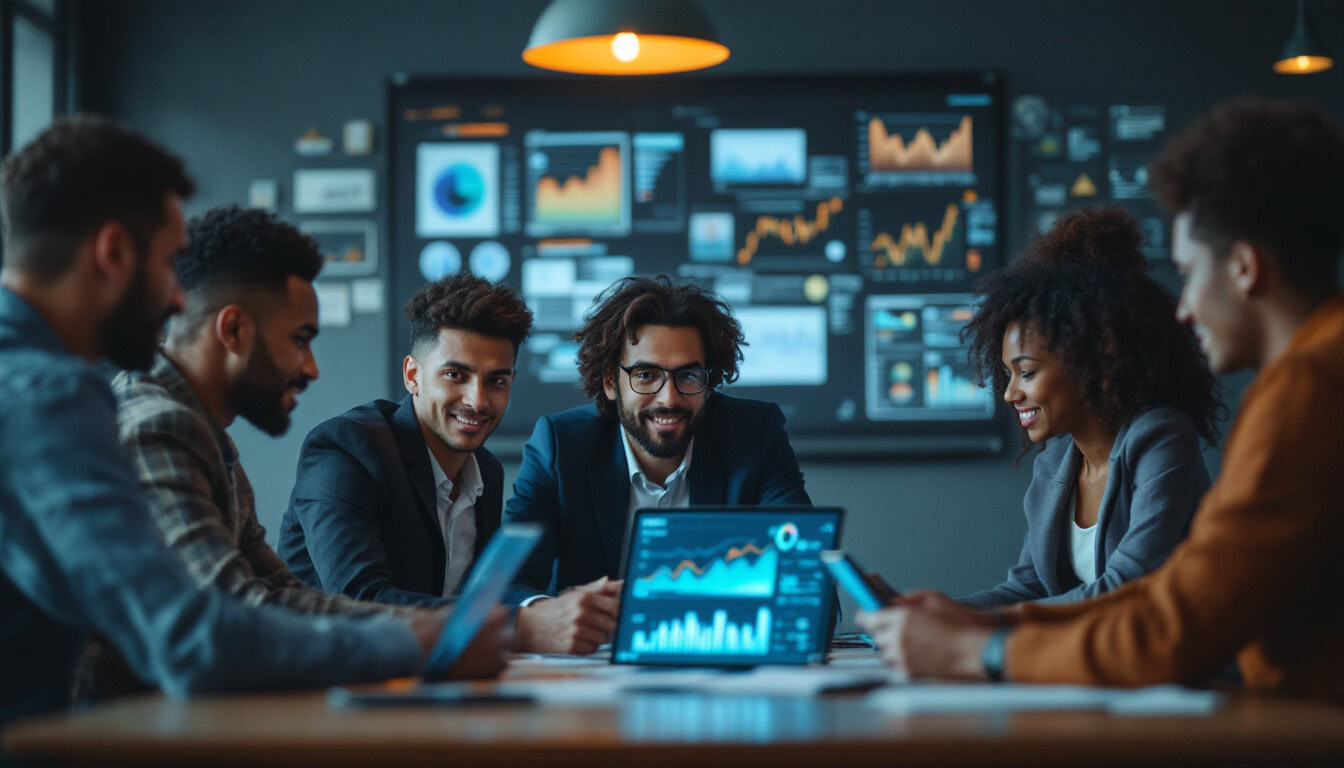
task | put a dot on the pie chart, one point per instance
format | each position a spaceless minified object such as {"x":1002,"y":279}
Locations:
{"x":459,"y":189}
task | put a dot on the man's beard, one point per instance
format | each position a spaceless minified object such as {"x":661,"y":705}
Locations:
{"x":258,"y":394}
{"x":636,"y":425}
{"x":130,"y":335}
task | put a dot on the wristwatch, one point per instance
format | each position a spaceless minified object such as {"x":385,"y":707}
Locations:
{"x":991,"y":658}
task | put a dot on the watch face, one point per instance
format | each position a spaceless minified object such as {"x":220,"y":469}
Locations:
{"x":991,"y":658}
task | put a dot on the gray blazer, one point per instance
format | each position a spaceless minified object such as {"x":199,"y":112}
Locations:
{"x":1156,"y":479}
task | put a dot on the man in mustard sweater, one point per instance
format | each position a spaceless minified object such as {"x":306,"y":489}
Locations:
{"x":1257,"y":189}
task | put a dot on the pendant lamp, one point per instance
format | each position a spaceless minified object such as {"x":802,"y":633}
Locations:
{"x":1300,"y":55}
{"x":624,"y":37}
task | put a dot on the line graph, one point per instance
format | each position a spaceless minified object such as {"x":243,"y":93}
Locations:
{"x":730,"y":575}
{"x":797,"y":230}
{"x":915,"y":237}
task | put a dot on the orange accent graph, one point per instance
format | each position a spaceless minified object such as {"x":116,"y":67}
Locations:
{"x":797,"y":230}
{"x":896,"y":252}
{"x":689,"y":565}
{"x":890,"y":152}
{"x":595,"y":198}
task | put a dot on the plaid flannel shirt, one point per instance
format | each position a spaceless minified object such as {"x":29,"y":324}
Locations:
{"x":200,"y":497}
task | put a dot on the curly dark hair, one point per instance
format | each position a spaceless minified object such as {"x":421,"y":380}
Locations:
{"x":1268,"y":172}
{"x":1083,"y":289}
{"x":236,"y":256}
{"x":470,"y":303}
{"x":634,"y":302}
{"x":80,"y":173}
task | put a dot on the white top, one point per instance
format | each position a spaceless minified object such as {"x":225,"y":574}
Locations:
{"x":457,"y":519}
{"x":1082,"y":544}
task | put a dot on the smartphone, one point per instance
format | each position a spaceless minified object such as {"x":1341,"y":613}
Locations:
{"x":867,"y":589}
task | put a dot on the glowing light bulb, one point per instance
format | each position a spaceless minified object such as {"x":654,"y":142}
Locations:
{"x":625,"y":46}
{"x":1303,"y":62}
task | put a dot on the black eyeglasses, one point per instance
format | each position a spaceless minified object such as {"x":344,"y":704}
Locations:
{"x":649,"y":379}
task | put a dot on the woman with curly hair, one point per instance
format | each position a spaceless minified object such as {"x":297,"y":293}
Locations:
{"x":1086,"y":349}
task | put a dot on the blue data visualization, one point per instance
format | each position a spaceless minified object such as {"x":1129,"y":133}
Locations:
{"x":726,"y":587}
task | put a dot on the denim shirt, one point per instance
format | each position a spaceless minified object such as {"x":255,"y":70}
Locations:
{"x":79,"y":552}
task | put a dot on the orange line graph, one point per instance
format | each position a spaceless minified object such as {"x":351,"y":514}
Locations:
{"x":891,"y":153}
{"x":895,"y":252}
{"x":689,"y":565}
{"x":789,"y":231}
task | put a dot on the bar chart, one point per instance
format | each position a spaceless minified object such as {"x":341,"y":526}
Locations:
{"x":689,"y":635}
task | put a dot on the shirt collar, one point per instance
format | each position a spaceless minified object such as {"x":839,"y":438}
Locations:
{"x":469,"y":477}
{"x":632,"y":465}
{"x":30,"y":324}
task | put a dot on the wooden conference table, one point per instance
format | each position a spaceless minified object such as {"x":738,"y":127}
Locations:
{"x":669,"y":729}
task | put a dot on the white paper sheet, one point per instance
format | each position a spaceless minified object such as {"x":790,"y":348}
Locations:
{"x":920,"y":699}
{"x":333,"y":304}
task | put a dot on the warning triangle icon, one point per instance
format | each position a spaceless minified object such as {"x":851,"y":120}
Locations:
{"x":1083,"y":187}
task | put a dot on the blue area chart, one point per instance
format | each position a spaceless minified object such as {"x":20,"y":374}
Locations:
{"x":746,"y":571}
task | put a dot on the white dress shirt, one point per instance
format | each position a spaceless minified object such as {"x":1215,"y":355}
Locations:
{"x":674,"y":492}
{"x":457,"y":519}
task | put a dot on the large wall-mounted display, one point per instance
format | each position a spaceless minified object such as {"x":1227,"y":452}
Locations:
{"x":845,"y":219}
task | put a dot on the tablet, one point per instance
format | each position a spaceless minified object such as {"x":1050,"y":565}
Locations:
{"x":490,"y":576}
{"x":731,"y":586}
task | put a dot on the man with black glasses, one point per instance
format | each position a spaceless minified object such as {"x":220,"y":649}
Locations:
{"x":657,"y":435}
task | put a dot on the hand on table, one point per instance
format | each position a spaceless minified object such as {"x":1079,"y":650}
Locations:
{"x":577,"y":621}
{"x":488,"y":653}
{"x":929,"y":634}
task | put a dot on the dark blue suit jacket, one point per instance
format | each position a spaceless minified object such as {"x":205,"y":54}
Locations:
{"x":363,"y":519}
{"x":574,"y":482}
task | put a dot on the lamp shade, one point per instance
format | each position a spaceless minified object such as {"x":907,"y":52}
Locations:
{"x":1300,"y":55}
{"x":624,"y":37}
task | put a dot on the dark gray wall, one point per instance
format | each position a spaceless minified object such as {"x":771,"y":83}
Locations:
{"x":230,"y":85}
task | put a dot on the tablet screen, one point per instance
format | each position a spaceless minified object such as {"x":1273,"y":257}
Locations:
{"x":498,"y":564}
{"x":726,"y":586}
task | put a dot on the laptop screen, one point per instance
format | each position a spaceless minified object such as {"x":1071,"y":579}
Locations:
{"x":729,"y":586}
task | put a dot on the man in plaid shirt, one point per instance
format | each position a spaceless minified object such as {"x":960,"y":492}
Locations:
{"x":239,"y":348}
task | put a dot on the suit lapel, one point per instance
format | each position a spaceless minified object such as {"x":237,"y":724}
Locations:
{"x":488,"y":505}
{"x":708,"y":484}
{"x":609,"y":484}
{"x":415,"y":455}
{"x":1061,"y":514}
{"x":708,"y":478}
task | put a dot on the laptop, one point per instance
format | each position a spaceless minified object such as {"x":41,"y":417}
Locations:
{"x":731,"y":586}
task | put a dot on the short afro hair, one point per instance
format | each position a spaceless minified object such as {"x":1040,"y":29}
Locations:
{"x":1268,"y":172}
{"x":634,"y":302}
{"x":235,"y":256}
{"x":1083,"y":289}
{"x":80,"y":173}
{"x":469,"y":303}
